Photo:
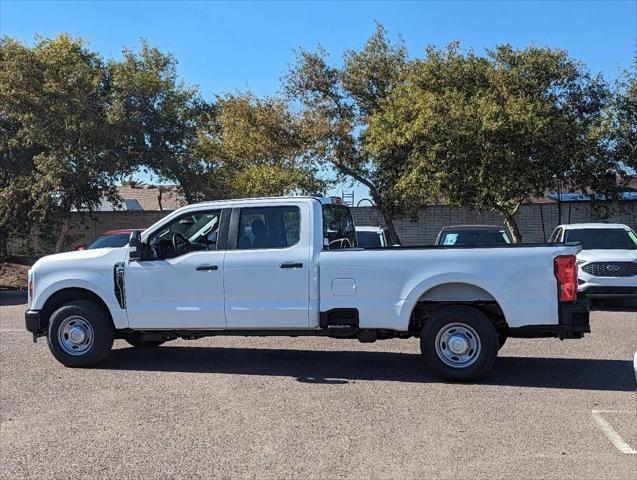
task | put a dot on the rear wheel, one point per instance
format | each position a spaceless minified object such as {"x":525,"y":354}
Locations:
{"x":459,"y":343}
{"x":80,"y":334}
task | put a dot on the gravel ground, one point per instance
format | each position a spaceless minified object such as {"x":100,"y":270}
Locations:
{"x":317,"y":408}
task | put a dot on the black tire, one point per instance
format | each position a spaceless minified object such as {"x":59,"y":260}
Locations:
{"x":135,"y":342}
{"x":502,"y":339}
{"x":482,"y":360}
{"x":102,"y":333}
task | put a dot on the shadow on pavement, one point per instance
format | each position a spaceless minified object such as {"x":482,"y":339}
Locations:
{"x":340,"y":367}
{"x":11,"y":297}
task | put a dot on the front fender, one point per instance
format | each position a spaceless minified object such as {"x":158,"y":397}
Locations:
{"x":46,"y":287}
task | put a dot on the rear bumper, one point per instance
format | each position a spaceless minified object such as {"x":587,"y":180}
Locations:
{"x":574,"y":322}
{"x":33,"y":322}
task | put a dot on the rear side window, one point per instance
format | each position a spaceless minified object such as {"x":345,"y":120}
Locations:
{"x":338,"y":227}
{"x":269,"y":227}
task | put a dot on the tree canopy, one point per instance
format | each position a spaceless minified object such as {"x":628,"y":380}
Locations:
{"x":72,"y":125}
{"x":335,"y":104}
{"x":58,"y":141}
{"x":492,"y":131}
{"x":484,"y":131}
{"x":249,"y":147}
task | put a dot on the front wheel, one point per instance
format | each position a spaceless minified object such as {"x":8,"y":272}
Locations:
{"x":80,"y":334}
{"x":459,"y":343}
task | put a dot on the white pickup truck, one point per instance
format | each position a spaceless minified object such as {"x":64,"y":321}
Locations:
{"x":290,"y":266}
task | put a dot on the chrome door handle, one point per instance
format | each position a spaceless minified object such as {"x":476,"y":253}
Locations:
{"x":291,"y":265}
{"x":207,"y":268}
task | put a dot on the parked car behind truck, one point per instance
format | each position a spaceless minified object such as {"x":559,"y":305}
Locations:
{"x":371,"y":237}
{"x":277,"y":266}
{"x":472,"y":235}
{"x":607,"y":263}
{"x":110,"y":239}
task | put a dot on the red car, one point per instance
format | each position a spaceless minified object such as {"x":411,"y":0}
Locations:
{"x":110,"y":239}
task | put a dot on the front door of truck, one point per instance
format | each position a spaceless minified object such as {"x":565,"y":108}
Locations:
{"x":266,"y":268}
{"x":180,"y":284}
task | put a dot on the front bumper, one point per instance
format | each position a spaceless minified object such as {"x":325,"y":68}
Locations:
{"x":574,"y":322}
{"x":608,"y":292}
{"x":34,"y":324}
{"x":621,"y":299}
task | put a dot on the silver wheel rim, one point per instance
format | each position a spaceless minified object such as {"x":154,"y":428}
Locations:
{"x":458,"y":345}
{"x":75,"y":335}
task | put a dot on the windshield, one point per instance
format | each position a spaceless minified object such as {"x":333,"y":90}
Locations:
{"x":602,"y":238}
{"x":370,"y":239}
{"x":475,"y":237}
{"x":110,"y":241}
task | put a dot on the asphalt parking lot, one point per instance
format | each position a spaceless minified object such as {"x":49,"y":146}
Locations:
{"x":319,"y":408}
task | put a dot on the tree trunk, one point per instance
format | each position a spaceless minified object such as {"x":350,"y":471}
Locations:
{"x":394,"y":239}
{"x":4,"y":243}
{"x":66,"y":227}
{"x":512,"y":225}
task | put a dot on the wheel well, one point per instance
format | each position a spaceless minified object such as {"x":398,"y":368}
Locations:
{"x":67,"y":295}
{"x":456,"y":292}
{"x":425,"y":309}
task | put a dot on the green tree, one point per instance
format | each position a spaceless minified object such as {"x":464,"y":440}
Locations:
{"x":246,"y":147}
{"x":156,"y":114}
{"x":71,"y":125}
{"x":623,"y":119}
{"x":493,"y":131}
{"x":55,"y":133}
{"x":335,"y":105}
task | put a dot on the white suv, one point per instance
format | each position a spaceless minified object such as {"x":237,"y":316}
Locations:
{"x":607,"y":263}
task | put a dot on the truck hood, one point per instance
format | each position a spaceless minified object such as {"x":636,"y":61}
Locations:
{"x":608,"y":255}
{"x":98,"y":255}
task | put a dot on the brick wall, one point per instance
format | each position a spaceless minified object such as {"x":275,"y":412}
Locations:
{"x":530,"y":218}
{"x":85,"y":230}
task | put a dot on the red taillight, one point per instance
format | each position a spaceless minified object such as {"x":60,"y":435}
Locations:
{"x":566,"y":274}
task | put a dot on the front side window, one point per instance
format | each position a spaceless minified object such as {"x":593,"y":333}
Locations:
{"x":338,"y":227}
{"x":602,"y":238}
{"x":190,"y":232}
{"x":269,"y":227}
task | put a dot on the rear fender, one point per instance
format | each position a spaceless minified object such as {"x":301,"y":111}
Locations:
{"x":445,"y":287}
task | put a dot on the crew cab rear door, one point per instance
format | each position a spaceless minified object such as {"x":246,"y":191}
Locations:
{"x":266,"y":268}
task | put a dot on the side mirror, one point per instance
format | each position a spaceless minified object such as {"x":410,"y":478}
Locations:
{"x":135,"y":246}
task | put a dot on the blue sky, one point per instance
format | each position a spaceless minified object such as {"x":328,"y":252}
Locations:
{"x":230,"y":46}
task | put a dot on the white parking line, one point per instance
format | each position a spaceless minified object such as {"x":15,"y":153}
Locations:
{"x":610,"y":432}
